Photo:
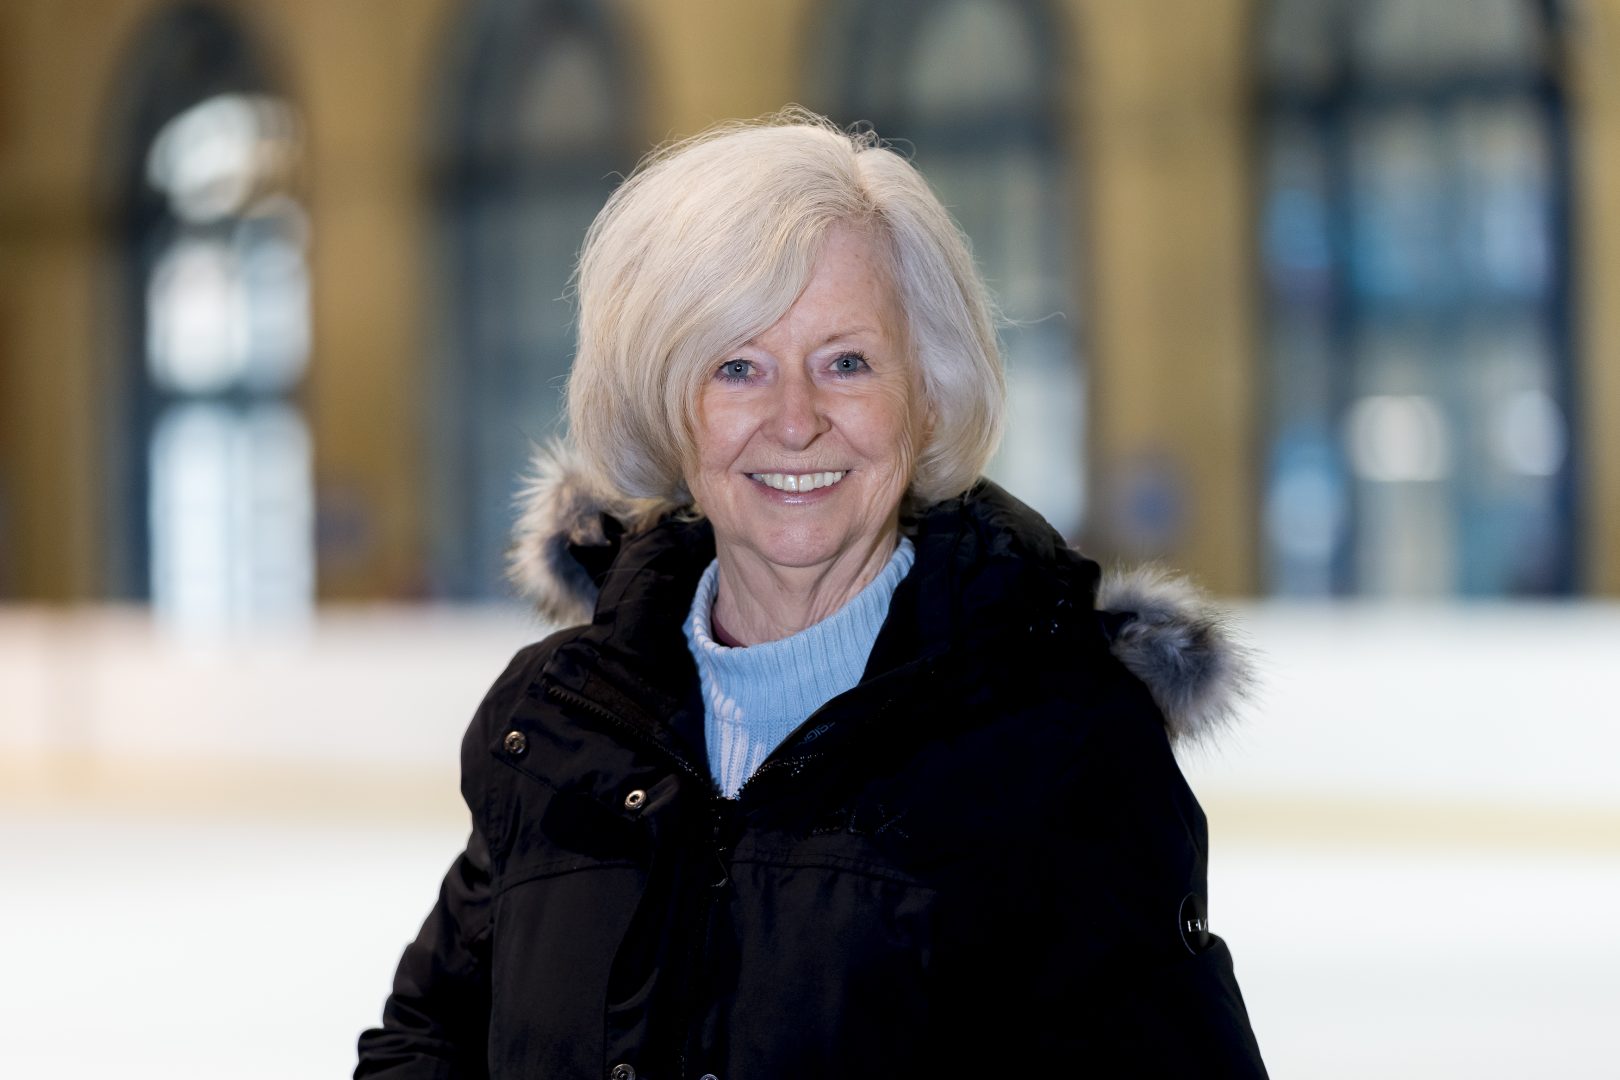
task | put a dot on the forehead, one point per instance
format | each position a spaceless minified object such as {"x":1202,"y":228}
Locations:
{"x":851,"y":260}
{"x":850,"y":293}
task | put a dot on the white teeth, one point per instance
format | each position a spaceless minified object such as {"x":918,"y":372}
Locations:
{"x":797,"y":482}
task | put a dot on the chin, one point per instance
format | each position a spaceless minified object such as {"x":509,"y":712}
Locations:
{"x":799,"y":556}
{"x":799,"y":549}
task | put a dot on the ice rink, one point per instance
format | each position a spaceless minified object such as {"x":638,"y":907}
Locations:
{"x":1414,"y":846}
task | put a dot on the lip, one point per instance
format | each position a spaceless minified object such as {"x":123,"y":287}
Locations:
{"x":795,"y":498}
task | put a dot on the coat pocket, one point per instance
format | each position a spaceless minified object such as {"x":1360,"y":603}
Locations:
{"x":554,"y":936}
{"x":832,"y":970}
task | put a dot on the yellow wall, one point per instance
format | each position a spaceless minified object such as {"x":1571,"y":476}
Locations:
{"x":49,"y":349}
{"x":1162,"y":92}
{"x":364,"y":72}
{"x":1158,"y":105}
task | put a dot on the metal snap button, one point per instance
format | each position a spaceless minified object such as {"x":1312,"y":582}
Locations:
{"x":516,"y":743}
{"x":708,"y":1076}
{"x":622,"y":1071}
{"x":634,"y":800}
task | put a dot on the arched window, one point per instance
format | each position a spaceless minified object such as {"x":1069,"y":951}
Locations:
{"x":972,"y":87}
{"x":1415,"y":251}
{"x":537,"y":130}
{"x":214,"y":476}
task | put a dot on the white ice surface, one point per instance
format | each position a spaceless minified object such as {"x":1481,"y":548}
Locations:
{"x":133,"y":946}
{"x":252,"y":952}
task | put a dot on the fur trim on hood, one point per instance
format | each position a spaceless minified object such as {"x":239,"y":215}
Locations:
{"x":560,"y":509}
{"x":1166,"y":631}
{"x":1183,"y":646}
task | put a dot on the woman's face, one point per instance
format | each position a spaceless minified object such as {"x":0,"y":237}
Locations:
{"x":806,"y":435}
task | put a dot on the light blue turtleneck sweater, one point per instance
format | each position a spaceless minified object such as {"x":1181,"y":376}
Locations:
{"x":753,"y":698}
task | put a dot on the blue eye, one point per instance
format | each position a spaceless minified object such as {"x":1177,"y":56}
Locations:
{"x":736,"y":370}
{"x":848,"y":364}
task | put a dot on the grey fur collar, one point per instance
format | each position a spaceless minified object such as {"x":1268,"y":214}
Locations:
{"x":1181,"y":645}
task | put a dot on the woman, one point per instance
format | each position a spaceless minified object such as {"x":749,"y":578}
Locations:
{"x":842,"y":772}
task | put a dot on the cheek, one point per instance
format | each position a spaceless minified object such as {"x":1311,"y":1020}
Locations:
{"x":888,"y":425}
{"x":721,"y":432}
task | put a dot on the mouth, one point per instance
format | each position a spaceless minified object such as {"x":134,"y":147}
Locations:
{"x":798,"y":482}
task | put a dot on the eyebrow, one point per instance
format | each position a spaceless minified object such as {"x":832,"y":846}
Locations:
{"x":846,"y":332}
{"x":853,"y":331}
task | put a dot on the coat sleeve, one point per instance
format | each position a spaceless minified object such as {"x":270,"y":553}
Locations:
{"x":435,"y":1022}
{"x":1136,"y":985}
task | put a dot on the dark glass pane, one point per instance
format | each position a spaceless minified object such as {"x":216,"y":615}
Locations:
{"x":1400,"y":207}
{"x":228,"y":479}
{"x":535,"y":145}
{"x":971,"y":57}
{"x":1419,"y":390}
{"x":1297,"y":242}
{"x":1504,"y":181}
{"x":1298,"y":46}
{"x":1436,"y":40}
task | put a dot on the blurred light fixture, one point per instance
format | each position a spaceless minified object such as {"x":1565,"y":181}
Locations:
{"x":1397,"y":438}
{"x":211,"y":159}
{"x":1528,"y":434}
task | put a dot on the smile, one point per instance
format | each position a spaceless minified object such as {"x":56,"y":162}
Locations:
{"x":798,"y":481}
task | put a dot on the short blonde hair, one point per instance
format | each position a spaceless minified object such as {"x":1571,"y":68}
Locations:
{"x":708,"y":244}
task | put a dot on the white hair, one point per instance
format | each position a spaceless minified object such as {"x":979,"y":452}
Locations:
{"x":708,"y":244}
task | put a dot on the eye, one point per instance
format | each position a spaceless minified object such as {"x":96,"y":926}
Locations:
{"x":849,"y":363}
{"x":736,"y":370}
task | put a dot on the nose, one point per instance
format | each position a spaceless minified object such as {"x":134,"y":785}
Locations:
{"x":799,"y":416}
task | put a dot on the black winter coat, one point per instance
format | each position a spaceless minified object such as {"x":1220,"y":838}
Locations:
{"x":983,"y":856}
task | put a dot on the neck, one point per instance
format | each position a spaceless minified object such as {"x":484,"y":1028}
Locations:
{"x":758,"y":601}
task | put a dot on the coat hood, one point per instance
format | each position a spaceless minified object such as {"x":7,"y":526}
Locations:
{"x":1161,"y":627}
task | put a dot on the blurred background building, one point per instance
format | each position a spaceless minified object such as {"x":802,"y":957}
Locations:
{"x":1312,"y":299}
{"x":1303,"y":296}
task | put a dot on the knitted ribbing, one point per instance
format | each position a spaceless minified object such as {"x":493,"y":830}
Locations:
{"x":754,"y":697}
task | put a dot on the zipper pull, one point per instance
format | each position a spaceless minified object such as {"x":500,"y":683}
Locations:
{"x":722,"y":845}
{"x":725,"y":874}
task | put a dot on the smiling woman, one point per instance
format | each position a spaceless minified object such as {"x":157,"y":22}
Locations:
{"x":843,"y":766}
{"x":806,"y":440}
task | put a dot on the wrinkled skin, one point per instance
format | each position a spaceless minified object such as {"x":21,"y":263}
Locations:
{"x":830,"y":387}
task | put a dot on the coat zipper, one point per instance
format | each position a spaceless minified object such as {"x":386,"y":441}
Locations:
{"x":776,"y":761}
{"x":720,"y":845}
